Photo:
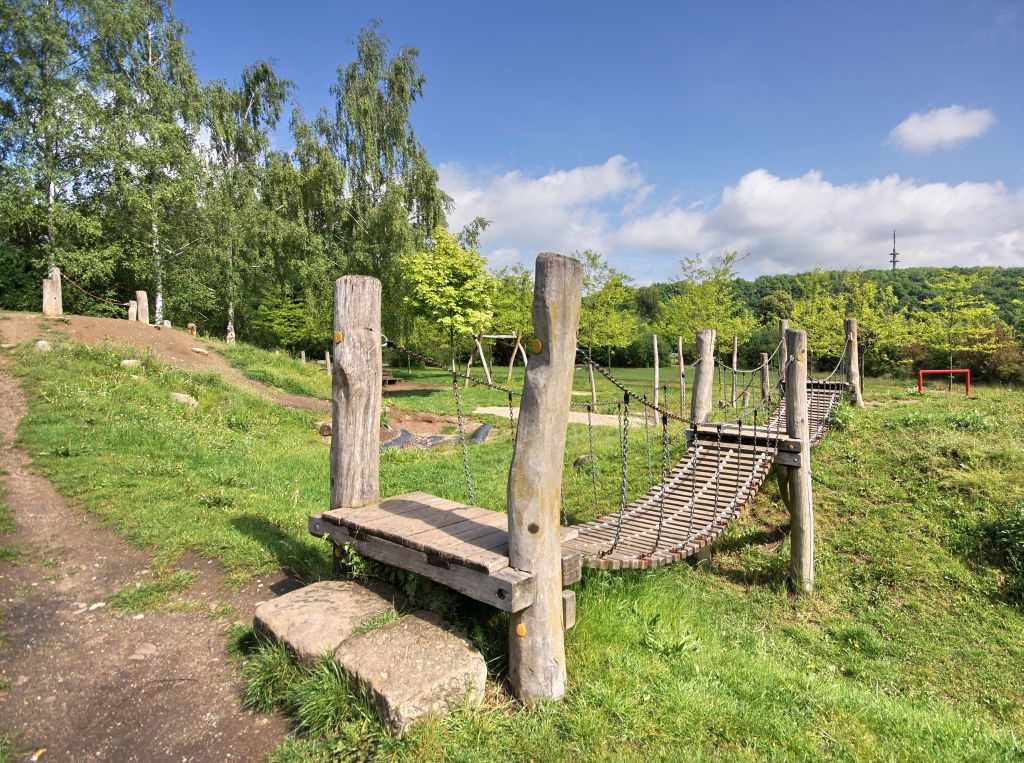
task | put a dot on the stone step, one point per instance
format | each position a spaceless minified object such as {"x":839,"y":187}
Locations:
{"x":409,"y":669}
{"x":313,"y":621}
{"x":413,"y":668}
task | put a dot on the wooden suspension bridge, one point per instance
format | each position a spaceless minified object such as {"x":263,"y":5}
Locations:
{"x":522,"y":562}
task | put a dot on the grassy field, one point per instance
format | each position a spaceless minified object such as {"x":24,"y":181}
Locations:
{"x":911,"y":648}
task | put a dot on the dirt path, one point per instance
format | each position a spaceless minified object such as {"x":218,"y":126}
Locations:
{"x":88,"y":684}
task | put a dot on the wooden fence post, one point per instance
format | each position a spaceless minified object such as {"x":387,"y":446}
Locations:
{"x":853,"y":362}
{"x":327,"y":362}
{"x":356,"y":393}
{"x":766,"y":378}
{"x":801,"y":503}
{"x":143,"y":310}
{"x":783,"y":352}
{"x":483,"y":359}
{"x":704,"y":376}
{"x":593,"y":384}
{"x":536,"y":653}
{"x":657,"y":370}
{"x":302,"y":355}
{"x":735,"y":354}
{"x":133,"y":310}
{"x":53,"y":294}
{"x":682,"y":377}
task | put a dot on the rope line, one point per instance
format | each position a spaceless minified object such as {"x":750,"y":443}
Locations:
{"x":89,"y":293}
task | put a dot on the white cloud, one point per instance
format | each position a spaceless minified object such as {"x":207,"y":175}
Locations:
{"x":940,"y":128}
{"x":787,"y":224}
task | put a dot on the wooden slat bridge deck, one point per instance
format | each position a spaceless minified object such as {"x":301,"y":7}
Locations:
{"x":462,"y":547}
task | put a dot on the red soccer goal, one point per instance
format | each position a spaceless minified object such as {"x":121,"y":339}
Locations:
{"x":936,"y":371}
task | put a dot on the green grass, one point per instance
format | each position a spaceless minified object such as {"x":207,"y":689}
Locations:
{"x":147,"y":597}
{"x":910,"y":648}
{"x":281,"y":371}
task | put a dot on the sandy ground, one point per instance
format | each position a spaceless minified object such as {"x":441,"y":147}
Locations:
{"x":88,"y":684}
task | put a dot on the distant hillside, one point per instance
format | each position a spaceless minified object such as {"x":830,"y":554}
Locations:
{"x":1001,"y":286}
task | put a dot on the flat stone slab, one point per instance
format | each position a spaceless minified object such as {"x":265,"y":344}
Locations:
{"x":314,"y":620}
{"x":413,"y":668}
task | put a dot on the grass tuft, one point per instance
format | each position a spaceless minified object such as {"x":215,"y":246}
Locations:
{"x":147,"y":597}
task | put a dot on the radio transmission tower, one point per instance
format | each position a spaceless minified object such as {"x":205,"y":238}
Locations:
{"x":894,"y":256}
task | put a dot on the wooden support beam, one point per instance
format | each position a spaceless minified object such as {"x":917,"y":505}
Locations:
{"x":682,"y":377}
{"x":133,"y":310}
{"x":657,"y":370}
{"x":53,"y":293}
{"x":568,"y":609}
{"x":536,"y":640}
{"x":512,"y":358}
{"x":143,"y":300}
{"x":783,"y":351}
{"x":356,"y":392}
{"x":766,"y":376}
{"x":704,"y":376}
{"x":735,"y":358}
{"x":801,"y":504}
{"x":853,"y":362}
{"x":483,"y":359}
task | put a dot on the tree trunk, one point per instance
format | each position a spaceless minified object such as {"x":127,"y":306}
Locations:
{"x":158,"y":273}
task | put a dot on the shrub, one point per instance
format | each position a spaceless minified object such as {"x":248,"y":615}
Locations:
{"x":1004,"y":548}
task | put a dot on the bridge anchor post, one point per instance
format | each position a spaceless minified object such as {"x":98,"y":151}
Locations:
{"x":853,"y":362}
{"x":800,"y":499}
{"x":536,"y":651}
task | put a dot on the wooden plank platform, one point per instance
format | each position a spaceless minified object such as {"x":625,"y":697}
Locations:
{"x":462,"y":547}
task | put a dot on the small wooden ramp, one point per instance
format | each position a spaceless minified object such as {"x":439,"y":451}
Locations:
{"x":462,"y":547}
{"x":718,"y":475}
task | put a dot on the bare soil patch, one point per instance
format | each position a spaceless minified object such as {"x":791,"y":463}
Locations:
{"x":85,"y":682}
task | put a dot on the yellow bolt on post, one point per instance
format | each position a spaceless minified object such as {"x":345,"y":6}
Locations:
{"x":337,"y":337}
{"x":536,"y":346}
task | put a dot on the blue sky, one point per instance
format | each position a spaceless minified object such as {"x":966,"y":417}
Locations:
{"x":799,"y":132}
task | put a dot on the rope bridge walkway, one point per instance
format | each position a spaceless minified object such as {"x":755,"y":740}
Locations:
{"x":720,"y":472}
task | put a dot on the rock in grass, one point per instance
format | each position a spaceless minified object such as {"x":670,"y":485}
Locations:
{"x":324,"y":428}
{"x":200,"y":351}
{"x":42,"y":346}
{"x":131,"y":363}
{"x":413,"y":668}
{"x":181,"y":397}
{"x":314,"y":620}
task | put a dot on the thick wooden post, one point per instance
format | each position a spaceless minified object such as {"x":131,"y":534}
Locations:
{"x":327,"y":362}
{"x":735,"y":353}
{"x":356,"y":393}
{"x":133,"y":310}
{"x":766,"y":376}
{"x":801,"y":504}
{"x":143,"y":299}
{"x":783,"y":351}
{"x":53,"y":294}
{"x":657,"y":370}
{"x":682,"y":377}
{"x":853,"y":362}
{"x":704,"y":376}
{"x":536,"y":654}
{"x":483,"y":359}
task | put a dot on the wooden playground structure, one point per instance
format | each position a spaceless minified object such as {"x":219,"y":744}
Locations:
{"x":522,"y":562}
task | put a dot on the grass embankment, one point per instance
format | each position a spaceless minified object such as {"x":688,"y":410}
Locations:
{"x":281,"y":371}
{"x":912,"y":646}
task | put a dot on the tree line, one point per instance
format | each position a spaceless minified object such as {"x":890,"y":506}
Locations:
{"x":126,"y":170}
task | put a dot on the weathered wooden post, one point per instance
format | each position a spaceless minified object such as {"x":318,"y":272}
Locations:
{"x":704,"y":376}
{"x":657,"y":370}
{"x":143,"y":300}
{"x":853,"y":362}
{"x":536,"y":661}
{"x":483,"y":359}
{"x":53,"y":295}
{"x":682,"y":377}
{"x":735,"y":353}
{"x":302,"y":355}
{"x":327,"y":362}
{"x":766,"y":379}
{"x":783,"y":352}
{"x":512,"y":358}
{"x":356,"y":393}
{"x":133,"y":310}
{"x":801,"y":504}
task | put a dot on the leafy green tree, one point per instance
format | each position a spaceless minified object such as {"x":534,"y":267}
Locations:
{"x":392,"y":199}
{"x":957,"y":319}
{"x":606,"y":318}
{"x":774,"y":306}
{"x":513,"y":301}
{"x":152,"y":109}
{"x":49,"y":115}
{"x":707,"y":300}
{"x":239,"y":120}
{"x":450,"y":286}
